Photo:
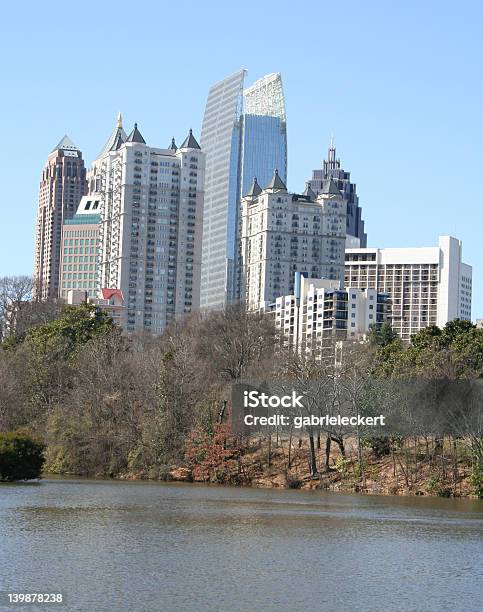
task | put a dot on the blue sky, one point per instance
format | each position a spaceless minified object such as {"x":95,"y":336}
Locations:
{"x":398,"y":84}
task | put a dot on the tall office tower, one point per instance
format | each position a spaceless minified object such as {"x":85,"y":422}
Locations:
{"x":79,"y":251}
{"x":332,"y":169}
{"x":283,"y":233}
{"x":243,"y":135}
{"x":426,"y":285}
{"x":151,"y":227}
{"x":62,"y":185}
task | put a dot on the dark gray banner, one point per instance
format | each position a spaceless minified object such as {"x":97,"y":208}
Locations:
{"x":368,"y":408}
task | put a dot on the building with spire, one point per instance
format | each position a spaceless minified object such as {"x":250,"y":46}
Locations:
{"x":151,"y":212}
{"x":62,"y":185}
{"x":331,"y":169}
{"x":283,"y":233}
{"x":244,"y":134}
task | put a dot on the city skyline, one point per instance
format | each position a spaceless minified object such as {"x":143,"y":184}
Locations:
{"x":408,"y":116}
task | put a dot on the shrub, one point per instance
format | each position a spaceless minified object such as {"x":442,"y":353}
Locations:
{"x":21,"y":457}
{"x":476,"y":481}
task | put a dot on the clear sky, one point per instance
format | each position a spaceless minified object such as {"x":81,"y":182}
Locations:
{"x":399,"y":84}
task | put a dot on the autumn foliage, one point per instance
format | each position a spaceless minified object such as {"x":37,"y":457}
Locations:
{"x":215,"y":457}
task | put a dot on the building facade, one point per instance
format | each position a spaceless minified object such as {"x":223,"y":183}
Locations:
{"x":151,"y":226}
{"x":62,"y":185}
{"x":243,"y":135}
{"x":427,"y":286}
{"x":79,"y":251}
{"x":331,"y":168}
{"x":283,"y":233}
{"x":320,"y":311}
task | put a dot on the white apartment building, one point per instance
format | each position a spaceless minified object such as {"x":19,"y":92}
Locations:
{"x":426,"y":285}
{"x":283,"y":233}
{"x":320,"y":310}
{"x":151,"y":226}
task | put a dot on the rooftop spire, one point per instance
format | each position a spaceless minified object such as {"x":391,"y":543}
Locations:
{"x":332,"y":162}
{"x":309,"y":191}
{"x":173,"y":146}
{"x":135,"y":135}
{"x":116,"y":139}
{"x":330,"y":188}
{"x":255,"y":189}
{"x":65,"y":143}
{"x":190,"y":142}
{"x":276,"y":182}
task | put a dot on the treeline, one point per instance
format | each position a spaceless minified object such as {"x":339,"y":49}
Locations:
{"x":107,"y":404}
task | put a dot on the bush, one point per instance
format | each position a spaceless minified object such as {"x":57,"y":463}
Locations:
{"x":21,"y":457}
{"x":476,"y":481}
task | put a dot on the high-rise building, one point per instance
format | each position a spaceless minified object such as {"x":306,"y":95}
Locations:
{"x":426,"y":285}
{"x":62,"y":185}
{"x":151,"y":226}
{"x":283,"y":233}
{"x":79,"y":251}
{"x":243,"y":135}
{"x":331,"y":169}
{"x":320,"y":310}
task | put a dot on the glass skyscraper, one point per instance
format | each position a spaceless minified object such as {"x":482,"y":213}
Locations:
{"x":243,"y":135}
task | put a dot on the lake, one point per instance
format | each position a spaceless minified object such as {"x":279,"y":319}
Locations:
{"x":139,"y":546}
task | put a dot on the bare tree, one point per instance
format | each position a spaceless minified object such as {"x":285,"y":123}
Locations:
{"x":15,"y":293}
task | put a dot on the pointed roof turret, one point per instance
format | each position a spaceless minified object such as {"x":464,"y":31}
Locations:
{"x":135,"y":135}
{"x":65,"y":144}
{"x":173,"y":146}
{"x":118,"y":136}
{"x":276,"y":182}
{"x":308,"y":191}
{"x":118,"y":142}
{"x":255,"y":189}
{"x":330,"y":188}
{"x":190,"y":142}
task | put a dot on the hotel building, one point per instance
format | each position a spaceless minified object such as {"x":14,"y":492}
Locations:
{"x":426,"y":285}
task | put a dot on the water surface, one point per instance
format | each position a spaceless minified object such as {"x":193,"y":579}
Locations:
{"x":138,"y":546}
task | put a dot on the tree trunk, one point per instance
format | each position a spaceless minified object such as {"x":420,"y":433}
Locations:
{"x":313,"y":458}
{"x":340,"y":443}
{"x":328,"y":442}
{"x":290,"y":448}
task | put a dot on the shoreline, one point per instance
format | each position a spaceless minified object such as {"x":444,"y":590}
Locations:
{"x":312,"y":485}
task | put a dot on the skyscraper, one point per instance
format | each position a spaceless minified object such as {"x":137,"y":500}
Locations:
{"x":243,"y":135}
{"x":62,"y":185}
{"x":284,"y":233}
{"x":331,"y":168}
{"x":151,"y":207}
{"x":264,"y":132}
